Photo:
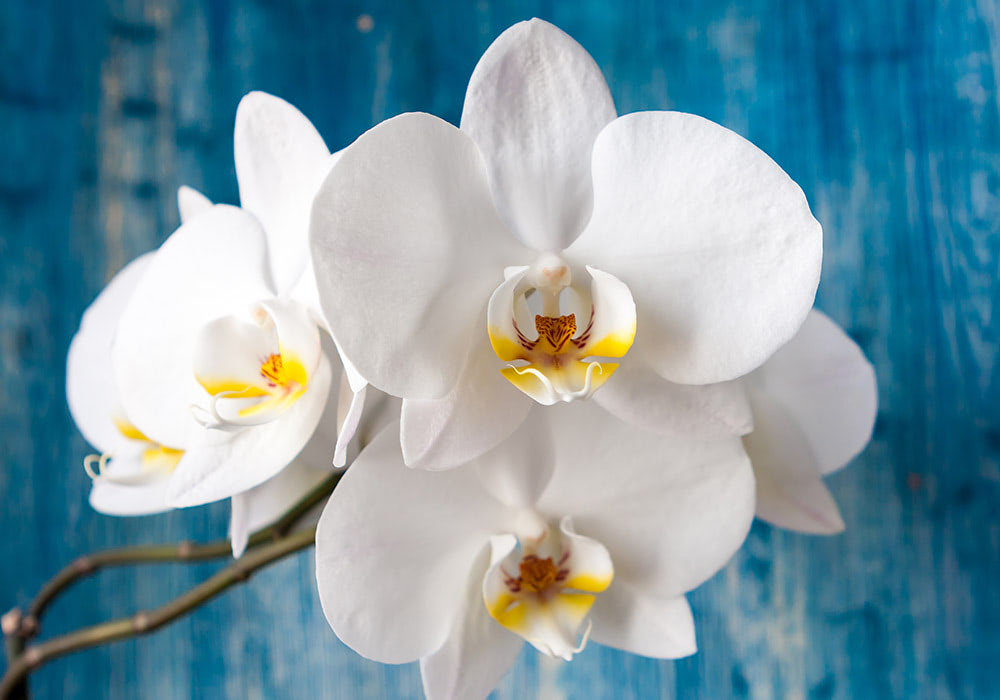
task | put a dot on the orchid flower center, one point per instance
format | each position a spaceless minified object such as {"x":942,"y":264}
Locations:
{"x":273,"y":370}
{"x":543,"y":588}
{"x":538,"y":574}
{"x":559,"y":362}
{"x":255,"y":369}
{"x":554,"y":332}
{"x":151,"y":460}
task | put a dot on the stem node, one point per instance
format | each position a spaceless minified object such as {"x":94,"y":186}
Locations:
{"x":29,"y":626}
{"x":10,"y":623}
{"x":140,"y":621}
{"x":83,"y":565}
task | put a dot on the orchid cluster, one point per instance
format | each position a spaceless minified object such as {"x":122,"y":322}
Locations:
{"x":567,"y":356}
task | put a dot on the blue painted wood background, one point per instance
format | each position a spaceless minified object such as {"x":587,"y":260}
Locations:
{"x":888,"y":115}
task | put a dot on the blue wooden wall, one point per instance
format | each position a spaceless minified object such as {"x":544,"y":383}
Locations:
{"x":886,"y":112}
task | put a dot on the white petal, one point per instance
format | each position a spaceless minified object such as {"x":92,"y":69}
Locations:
{"x":90,"y":390}
{"x":827,"y":386}
{"x":503,"y":320}
{"x":298,"y":334}
{"x":535,"y":103}
{"x":715,"y":241}
{"x":211,"y":267}
{"x":264,"y":504}
{"x":239,"y":528}
{"x":280,"y":161}
{"x":634,"y":621}
{"x":518,"y":469}
{"x":380,"y":411}
{"x":638,"y":395}
{"x":394,"y":551}
{"x":478,"y":651}
{"x":253,"y":455}
{"x":671,"y":511}
{"x":790,"y":489}
{"x":476,"y":415}
{"x":611,"y":329}
{"x":319,"y":453}
{"x":191,"y":202}
{"x":112,"y":498}
{"x":307,"y":293}
{"x":407,"y":247}
{"x":347,"y":424}
{"x":590,"y":565}
{"x":354,"y":377}
{"x":228,"y":354}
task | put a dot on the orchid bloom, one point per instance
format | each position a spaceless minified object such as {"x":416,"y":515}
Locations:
{"x":219,"y":349}
{"x":131,"y":473}
{"x":133,"y":483}
{"x":814,"y":404}
{"x":577,"y":528}
{"x":548,"y":251}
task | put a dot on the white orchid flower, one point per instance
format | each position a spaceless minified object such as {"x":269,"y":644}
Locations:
{"x":131,"y":473}
{"x":219,"y":350}
{"x":562,"y":237}
{"x":814,"y":407}
{"x":575,"y":529}
{"x":134,"y":482}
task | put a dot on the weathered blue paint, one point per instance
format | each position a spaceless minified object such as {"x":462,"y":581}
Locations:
{"x":887,"y":114}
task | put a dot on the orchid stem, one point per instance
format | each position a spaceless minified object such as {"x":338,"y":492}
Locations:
{"x":36,"y":655}
{"x":151,"y":554}
{"x":14,"y":645}
{"x":18,"y":628}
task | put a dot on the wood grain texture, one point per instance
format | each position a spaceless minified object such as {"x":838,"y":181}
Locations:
{"x":887,"y":114}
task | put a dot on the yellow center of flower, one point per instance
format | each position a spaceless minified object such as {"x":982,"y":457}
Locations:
{"x":155,"y":456}
{"x":566,"y":358}
{"x":273,"y":370}
{"x":155,"y":459}
{"x":160,"y":457}
{"x":545,"y":594}
{"x":284,"y":371}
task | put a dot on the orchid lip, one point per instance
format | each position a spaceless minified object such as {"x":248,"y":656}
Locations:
{"x":559,"y":362}
{"x":553,"y":395}
{"x":254,"y":370}
{"x":542,"y":588}
{"x":155,"y":462}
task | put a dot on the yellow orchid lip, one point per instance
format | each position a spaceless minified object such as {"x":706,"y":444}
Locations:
{"x":543,"y":589}
{"x":284,"y":382}
{"x":273,"y":369}
{"x":559,"y":363}
{"x":254,"y":369}
{"x":155,"y":462}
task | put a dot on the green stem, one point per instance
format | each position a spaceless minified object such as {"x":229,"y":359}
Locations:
{"x":141,"y":623}
{"x":179,"y":552}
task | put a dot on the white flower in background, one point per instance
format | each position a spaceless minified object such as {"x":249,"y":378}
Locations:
{"x":131,"y":474}
{"x":132,"y":484}
{"x":814,"y":406}
{"x":580,"y":528}
{"x":565,"y":238}
{"x":219,"y":349}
